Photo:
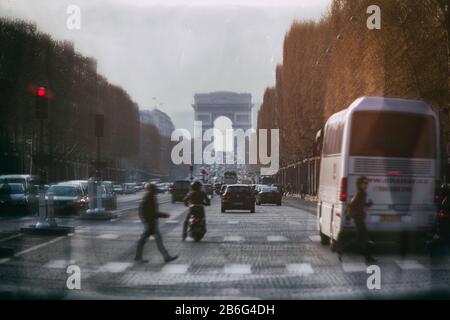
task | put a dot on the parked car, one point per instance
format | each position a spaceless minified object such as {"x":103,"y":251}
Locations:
{"x":129,"y":188}
{"x":29,"y":182}
{"x":269,"y":195}
{"x":238,"y":197}
{"x":180,"y":189}
{"x":68,"y":198}
{"x":14,"y":198}
{"x":118,"y":189}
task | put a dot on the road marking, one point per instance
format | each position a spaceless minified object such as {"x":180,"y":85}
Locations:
{"x":115,"y":267}
{"x":233,"y":239}
{"x":409,"y":265}
{"x":108,"y":236}
{"x":237,"y":269}
{"x":11,"y":237}
{"x":175,"y":269}
{"x":171,"y":222}
{"x":300,"y":268}
{"x":277,"y":239}
{"x":39,"y":246}
{"x":58,"y":264}
{"x":137,"y":221}
{"x":351,"y":267}
{"x":314,"y":238}
{"x":233,"y":222}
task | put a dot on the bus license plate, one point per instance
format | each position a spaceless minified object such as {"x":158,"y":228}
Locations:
{"x":391,"y":218}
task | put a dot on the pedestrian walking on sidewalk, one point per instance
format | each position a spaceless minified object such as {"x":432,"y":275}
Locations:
{"x":357,"y":210}
{"x":150,"y":214}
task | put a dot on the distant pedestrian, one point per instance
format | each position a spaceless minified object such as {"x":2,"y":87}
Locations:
{"x":357,"y":210}
{"x":149,"y":214}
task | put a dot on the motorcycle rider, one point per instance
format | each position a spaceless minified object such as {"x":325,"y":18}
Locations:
{"x":197,"y":199}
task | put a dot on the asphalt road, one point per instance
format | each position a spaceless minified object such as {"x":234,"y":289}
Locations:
{"x":272,"y":254}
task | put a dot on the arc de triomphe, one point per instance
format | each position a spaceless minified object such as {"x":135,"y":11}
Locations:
{"x":235,"y":106}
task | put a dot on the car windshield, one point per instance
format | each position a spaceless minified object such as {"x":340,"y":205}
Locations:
{"x":64,"y":191}
{"x":12,"y":188}
{"x":270,"y":189}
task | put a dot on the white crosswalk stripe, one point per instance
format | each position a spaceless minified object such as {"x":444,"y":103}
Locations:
{"x":108,"y":236}
{"x":350,"y":267}
{"x":409,"y":265}
{"x":58,"y":264}
{"x":277,"y":239}
{"x":115,"y":267}
{"x":314,"y":238}
{"x":237,"y":269}
{"x":175,"y":269}
{"x":300,"y":268}
{"x":233,"y":239}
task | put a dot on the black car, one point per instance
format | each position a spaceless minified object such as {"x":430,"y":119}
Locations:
{"x":269,"y":195}
{"x":238,"y":197}
{"x":179,"y":190}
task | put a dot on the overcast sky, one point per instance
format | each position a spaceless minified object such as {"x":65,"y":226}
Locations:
{"x":171,"y":49}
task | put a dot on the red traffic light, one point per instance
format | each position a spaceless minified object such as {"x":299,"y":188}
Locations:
{"x":41,"y":92}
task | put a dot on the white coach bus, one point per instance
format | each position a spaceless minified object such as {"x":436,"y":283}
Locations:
{"x":395,"y":144}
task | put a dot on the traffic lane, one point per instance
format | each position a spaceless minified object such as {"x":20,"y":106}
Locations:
{"x":243,"y":259}
{"x":92,"y":246}
{"x":10,"y":236}
{"x":240,"y":257}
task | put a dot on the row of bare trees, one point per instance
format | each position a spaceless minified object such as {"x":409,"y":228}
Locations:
{"x":29,"y":59}
{"x":329,"y":63}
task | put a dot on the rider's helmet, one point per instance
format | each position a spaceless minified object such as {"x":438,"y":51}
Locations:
{"x":196,"y":185}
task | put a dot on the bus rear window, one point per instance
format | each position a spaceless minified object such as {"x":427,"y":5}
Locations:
{"x":393,"y":135}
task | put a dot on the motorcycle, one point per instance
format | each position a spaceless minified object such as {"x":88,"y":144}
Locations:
{"x":197,"y":226}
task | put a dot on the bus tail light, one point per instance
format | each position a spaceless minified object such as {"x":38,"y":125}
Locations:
{"x":343,"y":190}
{"x":438,"y":196}
{"x":442,"y":215}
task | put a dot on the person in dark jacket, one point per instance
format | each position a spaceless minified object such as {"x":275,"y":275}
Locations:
{"x":357,"y":210}
{"x":197,"y":198}
{"x":149,"y":214}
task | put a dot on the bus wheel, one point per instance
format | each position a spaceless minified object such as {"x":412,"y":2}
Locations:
{"x":324,"y":239}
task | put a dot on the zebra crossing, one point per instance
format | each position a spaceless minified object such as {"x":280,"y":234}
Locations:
{"x":290,"y":269}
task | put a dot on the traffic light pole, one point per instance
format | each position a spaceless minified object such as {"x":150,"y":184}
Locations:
{"x":42,"y":171}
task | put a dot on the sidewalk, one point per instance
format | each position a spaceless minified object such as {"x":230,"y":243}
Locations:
{"x":308,"y":204}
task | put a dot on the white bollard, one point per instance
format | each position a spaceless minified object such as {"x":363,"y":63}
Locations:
{"x":91,"y":194}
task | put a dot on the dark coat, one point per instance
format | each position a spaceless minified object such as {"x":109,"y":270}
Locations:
{"x":197,"y":198}
{"x":149,"y":212}
{"x":357,"y":208}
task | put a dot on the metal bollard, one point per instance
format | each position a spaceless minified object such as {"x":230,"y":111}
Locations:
{"x":42,"y":219}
